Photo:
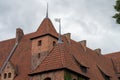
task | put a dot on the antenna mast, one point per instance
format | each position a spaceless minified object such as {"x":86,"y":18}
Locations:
{"x":59,"y":21}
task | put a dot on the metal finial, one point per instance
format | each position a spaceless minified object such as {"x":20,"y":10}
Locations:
{"x":59,"y":21}
{"x":47,"y":11}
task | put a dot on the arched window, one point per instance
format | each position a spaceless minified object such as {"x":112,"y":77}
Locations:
{"x":9,"y":75}
{"x":5,"y":75}
{"x":48,"y":78}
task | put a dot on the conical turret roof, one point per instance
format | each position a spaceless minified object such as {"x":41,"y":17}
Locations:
{"x":46,"y":27}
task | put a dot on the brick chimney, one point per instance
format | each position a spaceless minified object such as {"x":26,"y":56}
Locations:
{"x":19,"y":34}
{"x":68,"y":36}
{"x":83,"y":43}
{"x":98,"y":51}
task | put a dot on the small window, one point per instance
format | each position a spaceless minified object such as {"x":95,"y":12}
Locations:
{"x":118,"y":78}
{"x":106,"y":77}
{"x":5,"y":75}
{"x":47,"y":78}
{"x":39,"y":43}
{"x":83,"y":68}
{"x":9,"y":75}
{"x":54,"y":43}
{"x":38,"y":55}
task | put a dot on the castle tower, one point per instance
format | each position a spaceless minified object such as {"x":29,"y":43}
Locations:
{"x":44,"y":40}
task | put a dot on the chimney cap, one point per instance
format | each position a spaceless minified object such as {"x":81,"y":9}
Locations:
{"x":19,"y":34}
{"x":98,"y":51}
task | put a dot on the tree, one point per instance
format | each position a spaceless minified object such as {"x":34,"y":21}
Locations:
{"x":117,"y":14}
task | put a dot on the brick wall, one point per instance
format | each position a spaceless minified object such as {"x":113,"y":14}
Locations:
{"x":46,"y":44}
{"x":57,"y":75}
{"x":8,"y":72}
{"x":39,"y":52}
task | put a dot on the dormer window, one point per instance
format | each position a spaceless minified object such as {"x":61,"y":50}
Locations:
{"x":9,"y":72}
{"x":39,"y":42}
{"x":104,"y":74}
{"x":9,"y":75}
{"x":118,"y":78}
{"x":5,"y":75}
{"x":83,"y":68}
{"x":54,"y":43}
{"x":106,"y":77}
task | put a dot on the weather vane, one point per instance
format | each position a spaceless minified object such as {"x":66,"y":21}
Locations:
{"x":59,"y":21}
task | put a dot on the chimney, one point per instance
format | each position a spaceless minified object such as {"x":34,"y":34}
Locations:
{"x":68,"y":36}
{"x":83,"y":43}
{"x":98,"y":51}
{"x":19,"y":34}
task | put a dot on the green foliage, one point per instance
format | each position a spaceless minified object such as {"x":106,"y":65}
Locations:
{"x":67,"y":76}
{"x":80,"y":78}
{"x":117,"y":8}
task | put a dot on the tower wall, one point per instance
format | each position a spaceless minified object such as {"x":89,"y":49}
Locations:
{"x":40,"y":48}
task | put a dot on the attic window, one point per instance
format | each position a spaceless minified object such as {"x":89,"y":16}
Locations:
{"x":47,"y":78}
{"x":106,"y":77}
{"x":39,"y":43}
{"x":83,"y":68}
{"x":54,"y":43}
{"x":118,"y":78}
{"x":9,"y":75}
{"x":5,"y":75}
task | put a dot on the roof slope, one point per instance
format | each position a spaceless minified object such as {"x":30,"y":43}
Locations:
{"x":46,"y":27}
{"x":21,"y":57}
{"x":59,"y":58}
{"x":65,"y":55}
{"x":115,"y":55}
{"x":5,"y":48}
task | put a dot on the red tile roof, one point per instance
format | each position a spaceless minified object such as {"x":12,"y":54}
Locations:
{"x":66,"y":55}
{"x":46,"y":27}
{"x":58,"y":58}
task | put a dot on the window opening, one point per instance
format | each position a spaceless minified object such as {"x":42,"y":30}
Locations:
{"x":83,"y":68}
{"x":39,"y":43}
{"x":54,"y":43}
{"x":5,"y":75}
{"x":9,"y":75}
{"x":106,"y":77}
{"x":38,"y":55}
{"x":47,"y":78}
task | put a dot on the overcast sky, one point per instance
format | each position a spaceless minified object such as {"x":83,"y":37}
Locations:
{"x":89,"y":20}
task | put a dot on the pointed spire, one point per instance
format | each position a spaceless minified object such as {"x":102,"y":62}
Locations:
{"x":47,"y":11}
